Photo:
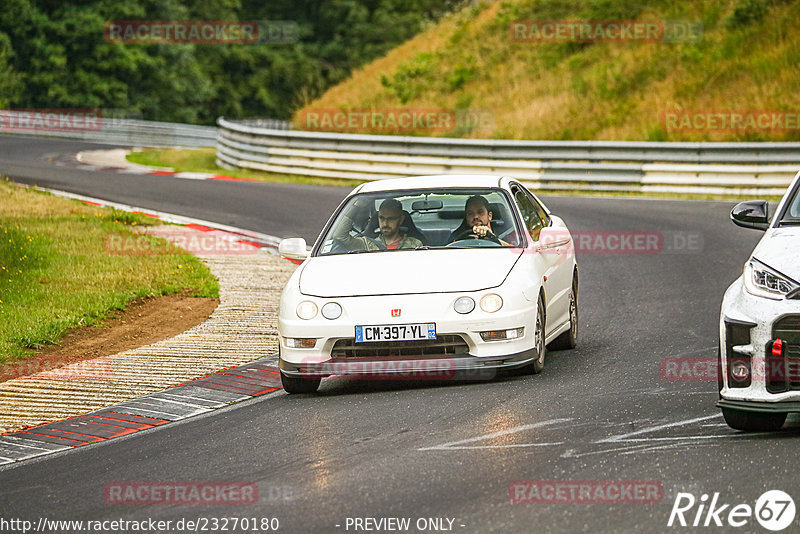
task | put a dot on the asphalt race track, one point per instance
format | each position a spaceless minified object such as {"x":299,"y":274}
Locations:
{"x":608,"y":411}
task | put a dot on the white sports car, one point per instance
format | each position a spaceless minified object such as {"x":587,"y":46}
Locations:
{"x":759,"y":368}
{"x":429,"y":275}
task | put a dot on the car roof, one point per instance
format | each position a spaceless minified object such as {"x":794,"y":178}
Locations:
{"x":433,"y":181}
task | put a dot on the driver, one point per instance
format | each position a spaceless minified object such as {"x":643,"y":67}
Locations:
{"x":390,"y":218}
{"x":477,"y":221}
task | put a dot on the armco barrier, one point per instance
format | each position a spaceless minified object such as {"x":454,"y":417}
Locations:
{"x":109,"y":130}
{"x":704,"y":168}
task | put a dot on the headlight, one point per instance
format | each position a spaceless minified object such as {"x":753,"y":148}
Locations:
{"x":464,"y":305}
{"x":491,"y":303}
{"x":331,"y":311}
{"x":762,"y":281}
{"x":306,"y":310}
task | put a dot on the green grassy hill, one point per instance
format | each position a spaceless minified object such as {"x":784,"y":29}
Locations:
{"x":746,"y":58}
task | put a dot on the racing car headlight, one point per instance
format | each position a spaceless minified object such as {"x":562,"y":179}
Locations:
{"x":306,"y":310}
{"x":331,"y":311}
{"x":491,"y":303}
{"x":464,"y":305}
{"x":763,"y":281}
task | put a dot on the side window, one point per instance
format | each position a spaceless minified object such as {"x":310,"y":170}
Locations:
{"x":541,"y":211}
{"x":530,"y":215}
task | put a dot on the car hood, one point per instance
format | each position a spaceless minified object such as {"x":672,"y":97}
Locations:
{"x":778,"y":249}
{"x":400,"y":272}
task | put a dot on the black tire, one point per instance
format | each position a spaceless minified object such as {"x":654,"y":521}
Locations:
{"x":720,"y":383}
{"x":299,"y":384}
{"x":569,"y":339}
{"x":753,"y":421}
{"x":536,"y":366}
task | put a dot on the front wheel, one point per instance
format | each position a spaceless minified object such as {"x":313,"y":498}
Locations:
{"x":299,"y":384}
{"x":569,"y":339}
{"x":536,"y":366}
{"x":753,"y":421}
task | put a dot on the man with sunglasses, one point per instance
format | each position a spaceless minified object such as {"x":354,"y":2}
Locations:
{"x":390,"y":219}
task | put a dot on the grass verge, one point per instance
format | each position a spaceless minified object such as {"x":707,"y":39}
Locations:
{"x":204,"y":160}
{"x":721,"y":58}
{"x":56,"y":271}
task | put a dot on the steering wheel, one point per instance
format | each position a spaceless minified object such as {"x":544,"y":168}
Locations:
{"x":466,"y":233}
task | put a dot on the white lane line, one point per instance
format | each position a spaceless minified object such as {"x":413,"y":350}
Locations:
{"x":570,"y":453}
{"x":456,"y":445}
{"x":625,"y":437}
{"x":660,"y":448}
{"x":687,"y":438}
{"x":475,"y":447}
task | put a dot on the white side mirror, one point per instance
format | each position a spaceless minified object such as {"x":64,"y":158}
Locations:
{"x":293,"y":248}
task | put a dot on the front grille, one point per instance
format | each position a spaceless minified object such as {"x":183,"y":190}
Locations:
{"x":788,"y":329}
{"x":444,"y":345}
{"x":783,"y":374}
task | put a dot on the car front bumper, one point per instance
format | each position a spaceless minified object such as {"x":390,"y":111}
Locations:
{"x":758,"y":315}
{"x":469,"y":352}
{"x":441,"y":368}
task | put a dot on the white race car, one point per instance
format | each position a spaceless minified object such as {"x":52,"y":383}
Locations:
{"x":429,"y":275}
{"x":759,"y":368}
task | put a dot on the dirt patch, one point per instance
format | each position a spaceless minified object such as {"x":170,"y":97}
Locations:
{"x":144,"y":321}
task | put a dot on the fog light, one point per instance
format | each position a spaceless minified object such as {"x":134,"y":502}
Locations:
{"x":306,"y":310}
{"x":331,"y":311}
{"x":739,"y":371}
{"x":300,"y":342}
{"x":500,"y":335}
{"x":491,"y":303}
{"x":464,"y":305}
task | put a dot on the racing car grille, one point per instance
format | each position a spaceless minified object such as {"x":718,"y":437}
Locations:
{"x":783,"y":374}
{"x":448,"y":344}
{"x":788,"y":329}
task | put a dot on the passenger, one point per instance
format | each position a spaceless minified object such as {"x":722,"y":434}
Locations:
{"x":477,"y":222}
{"x":390,"y":218}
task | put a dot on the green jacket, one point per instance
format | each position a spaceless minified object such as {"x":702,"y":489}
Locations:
{"x":343,"y":237}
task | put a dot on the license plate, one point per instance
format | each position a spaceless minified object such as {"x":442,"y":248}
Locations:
{"x":395,"y":332}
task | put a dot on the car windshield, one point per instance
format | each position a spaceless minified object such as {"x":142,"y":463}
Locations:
{"x":791,"y":215}
{"x":423,"y":220}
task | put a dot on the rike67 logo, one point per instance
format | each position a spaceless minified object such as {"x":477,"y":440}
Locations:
{"x":774,"y":510}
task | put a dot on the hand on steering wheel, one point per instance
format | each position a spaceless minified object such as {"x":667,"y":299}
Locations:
{"x":478,"y":232}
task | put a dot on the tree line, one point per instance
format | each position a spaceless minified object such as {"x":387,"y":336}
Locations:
{"x":54,"y":54}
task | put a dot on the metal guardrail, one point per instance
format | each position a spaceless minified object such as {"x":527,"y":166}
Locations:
{"x":705,"y":168}
{"x":106,"y":130}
